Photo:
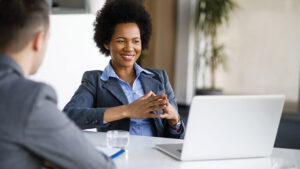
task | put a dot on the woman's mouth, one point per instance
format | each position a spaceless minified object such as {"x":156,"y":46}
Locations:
{"x":127,"y":57}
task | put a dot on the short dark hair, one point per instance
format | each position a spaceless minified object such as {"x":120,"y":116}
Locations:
{"x":19,"y":20}
{"x":121,"y":11}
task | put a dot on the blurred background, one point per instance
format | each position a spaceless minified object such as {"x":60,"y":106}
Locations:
{"x":252,"y":47}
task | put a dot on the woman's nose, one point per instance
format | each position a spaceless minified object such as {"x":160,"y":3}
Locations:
{"x":129,"y":47}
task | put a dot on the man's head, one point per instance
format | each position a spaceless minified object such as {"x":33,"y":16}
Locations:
{"x":24,"y":26}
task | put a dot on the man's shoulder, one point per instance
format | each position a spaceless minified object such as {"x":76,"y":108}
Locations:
{"x":30,"y":86}
{"x":26,"y":91}
{"x":18,"y":98}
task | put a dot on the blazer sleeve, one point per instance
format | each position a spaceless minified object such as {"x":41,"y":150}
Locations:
{"x":172,"y":100}
{"x":51,"y":135}
{"x":81,"y":108}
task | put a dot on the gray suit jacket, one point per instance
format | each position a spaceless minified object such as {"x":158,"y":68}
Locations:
{"x":94,"y":96}
{"x":32,"y":129}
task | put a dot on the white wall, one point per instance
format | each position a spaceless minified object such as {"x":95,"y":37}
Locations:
{"x":263,"y":44}
{"x":71,"y":52}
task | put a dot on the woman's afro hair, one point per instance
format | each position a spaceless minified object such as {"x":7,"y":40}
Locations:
{"x":121,"y":11}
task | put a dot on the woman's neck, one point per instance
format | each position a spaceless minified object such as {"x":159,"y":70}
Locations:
{"x":127,"y":74}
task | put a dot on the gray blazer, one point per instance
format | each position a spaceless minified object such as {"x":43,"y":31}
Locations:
{"x":94,"y":96}
{"x":33,"y":130}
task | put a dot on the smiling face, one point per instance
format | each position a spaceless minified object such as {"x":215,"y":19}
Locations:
{"x":125,"y":45}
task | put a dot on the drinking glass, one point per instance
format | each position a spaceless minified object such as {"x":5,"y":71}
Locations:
{"x":117,"y":138}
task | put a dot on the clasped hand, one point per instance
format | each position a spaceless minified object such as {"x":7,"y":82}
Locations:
{"x":145,"y":105}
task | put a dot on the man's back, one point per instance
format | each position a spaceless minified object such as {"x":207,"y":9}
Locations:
{"x":32,"y":129}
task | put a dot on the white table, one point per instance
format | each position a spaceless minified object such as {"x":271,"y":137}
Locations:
{"x":141,"y":154}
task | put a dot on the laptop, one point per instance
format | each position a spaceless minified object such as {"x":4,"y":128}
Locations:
{"x":227,"y":127}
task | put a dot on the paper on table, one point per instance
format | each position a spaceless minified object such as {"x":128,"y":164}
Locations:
{"x":111,"y":152}
{"x":91,"y":130}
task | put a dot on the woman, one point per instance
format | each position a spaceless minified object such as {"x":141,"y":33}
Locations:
{"x":125,"y":96}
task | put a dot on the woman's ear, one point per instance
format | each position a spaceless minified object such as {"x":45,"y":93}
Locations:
{"x":106,"y":46}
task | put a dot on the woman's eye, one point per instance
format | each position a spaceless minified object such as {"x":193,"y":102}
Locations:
{"x":120,"y":41}
{"x":136,"y":41}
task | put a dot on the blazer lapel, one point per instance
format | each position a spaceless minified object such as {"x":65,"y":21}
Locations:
{"x":113,"y":86}
{"x":149,"y":82}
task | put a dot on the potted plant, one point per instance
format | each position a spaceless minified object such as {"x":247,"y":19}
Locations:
{"x":210,"y":15}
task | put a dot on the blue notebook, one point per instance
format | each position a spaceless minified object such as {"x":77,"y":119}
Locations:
{"x":111,"y":152}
